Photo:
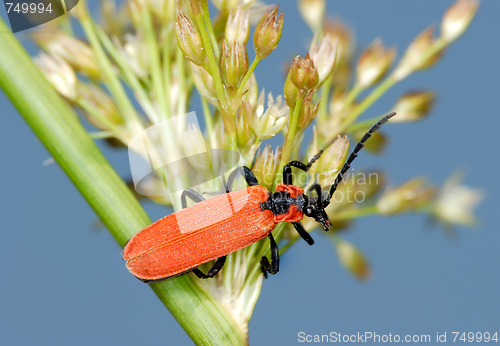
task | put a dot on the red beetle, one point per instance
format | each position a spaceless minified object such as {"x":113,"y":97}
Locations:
{"x":213,"y":228}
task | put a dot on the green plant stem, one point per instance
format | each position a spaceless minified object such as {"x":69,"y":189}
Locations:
{"x":128,"y":74}
{"x":112,"y":81}
{"x":351,"y":96}
{"x":210,"y":29}
{"x":228,"y":117}
{"x":213,"y":68}
{"x":368,"y":101}
{"x":58,"y":128}
{"x":290,"y":140}
{"x":247,"y":76}
{"x":325,"y":98}
{"x":364,"y":124}
{"x":356,"y":212}
{"x":154,"y":59}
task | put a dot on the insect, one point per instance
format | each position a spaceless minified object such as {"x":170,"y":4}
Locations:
{"x":229,"y":222}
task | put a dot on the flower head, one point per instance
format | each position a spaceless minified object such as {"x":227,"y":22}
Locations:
{"x":268,"y":33}
{"x":413,"y":106}
{"x":457,"y":19}
{"x":374,"y":63}
{"x":422,"y":53}
{"x":455,"y":203}
{"x":189,"y":39}
{"x":266,"y":123}
{"x":324,"y":54}
{"x":238,"y":26}
{"x":303,"y":73}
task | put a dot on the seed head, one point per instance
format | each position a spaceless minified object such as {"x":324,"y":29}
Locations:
{"x":101,"y":102}
{"x":417,"y":55}
{"x":204,"y":83}
{"x":323,"y":53}
{"x":308,"y":112}
{"x":413,"y":106}
{"x":337,"y":30}
{"x":353,"y":259}
{"x":75,"y":52}
{"x":233,"y":63}
{"x":313,"y":12}
{"x":374,"y":63}
{"x":332,"y":160}
{"x":409,"y":196}
{"x":290,"y":91}
{"x":238,"y":26}
{"x":303,"y":73}
{"x":265,"y":166}
{"x":455,"y":203}
{"x":266,"y":124}
{"x":268,"y":33}
{"x":189,"y":39}
{"x":458,"y":18}
{"x":59,"y":74}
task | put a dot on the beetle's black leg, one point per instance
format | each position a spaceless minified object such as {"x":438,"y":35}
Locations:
{"x":274,"y":266}
{"x":287,"y":170}
{"x":195,"y":196}
{"x":319,"y":192}
{"x":303,"y":233}
{"x":246,"y":173}
{"x":213,"y":271}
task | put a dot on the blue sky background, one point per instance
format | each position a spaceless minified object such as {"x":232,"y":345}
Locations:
{"x":63,"y":281}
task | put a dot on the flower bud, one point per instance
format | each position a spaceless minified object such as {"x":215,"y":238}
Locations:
{"x":265,"y":166}
{"x":413,"y":106}
{"x":377,"y":141}
{"x":233,"y":63}
{"x":59,"y":74}
{"x":345,"y":41}
{"x":455,"y":203}
{"x":101,"y":102}
{"x":238,"y":26}
{"x":246,"y":137}
{"x":313,"y":12}
{"x":268,"y":33}
{"x":308,"y":112}
{"x":135,"y":52}
{"x":332,"y":160}
{"x":407,"y":197}
{"x":416,"y":55}
{"x":290,"y":91}
{"x":457,"y":19}
{"x":189,"y":39}
{"x":77,"y":53}
{"x":266,"y":124}
{"x":303,"y":74}
{"x":374,"y":63}
{"x":353,"y":259}
{"x":323,"y":53}
{"x":204,"y":83}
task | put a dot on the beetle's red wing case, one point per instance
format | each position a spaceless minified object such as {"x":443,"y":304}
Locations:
{"x":203,"y":232}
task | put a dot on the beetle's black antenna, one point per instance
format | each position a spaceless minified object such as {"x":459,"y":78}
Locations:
{"x":351,"y":158}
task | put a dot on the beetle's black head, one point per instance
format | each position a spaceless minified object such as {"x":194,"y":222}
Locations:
{"x":315,"y":208}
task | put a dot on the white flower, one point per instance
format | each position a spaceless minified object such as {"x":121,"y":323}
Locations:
{"x":456,"y":203}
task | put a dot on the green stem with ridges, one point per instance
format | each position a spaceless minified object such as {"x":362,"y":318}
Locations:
{"x":247,"y":76}
{"x":210,"y":29}
{"x":325,"y":98}
{"x":290,"y":136}
{"x":154,"y":59}
{"x":368,"y":101}
{"x":58,"y":128}
{"x":124,"y":104}
{"x":128,"y":75}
